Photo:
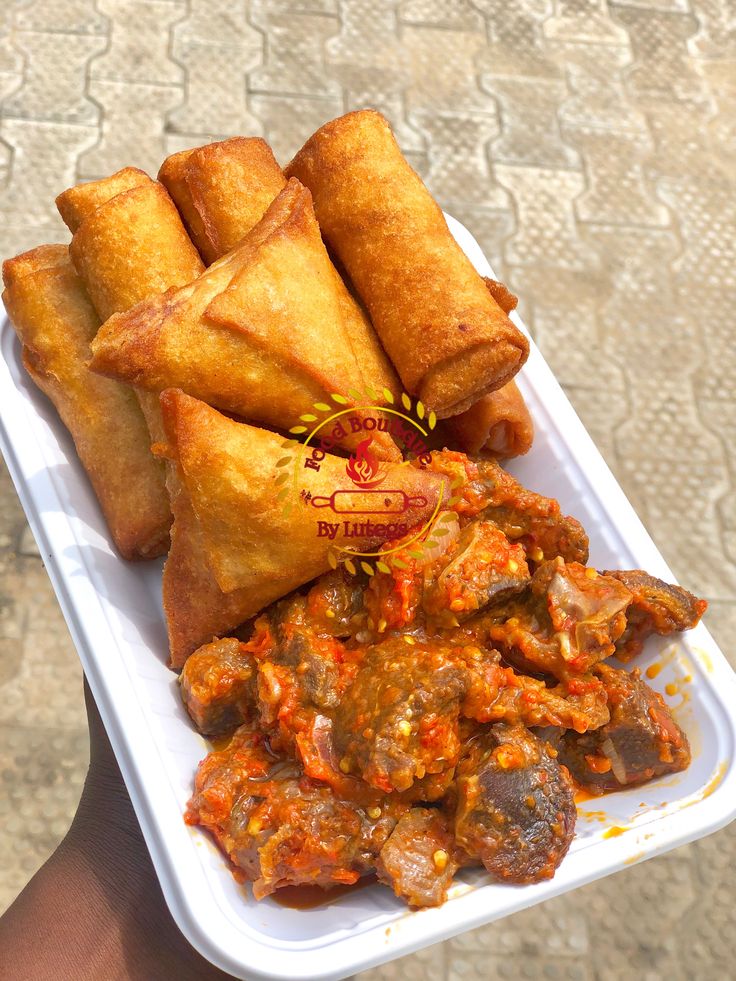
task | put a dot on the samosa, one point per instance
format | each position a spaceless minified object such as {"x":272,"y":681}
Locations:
{"x":222,"y":191}
{"x":260,"y":334}
{"x":195,"y":607}
{"x":231,"y":473}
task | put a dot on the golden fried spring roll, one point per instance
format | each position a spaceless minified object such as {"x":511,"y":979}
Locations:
{"x":222,"y":190}
{"x":132,"y":247}
{"x":55,"y":321}
{"x":231,"y":474}
{"x":173,"y":175}
{"x":260,"y":334}
{"x":499,"y":424}
{"x":447,"y":337}
{"x":78,"y":203}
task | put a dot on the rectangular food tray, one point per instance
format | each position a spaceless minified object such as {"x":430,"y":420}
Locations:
{"x":113,"y":610}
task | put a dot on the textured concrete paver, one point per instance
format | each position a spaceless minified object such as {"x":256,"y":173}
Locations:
{"x":591,"y":148}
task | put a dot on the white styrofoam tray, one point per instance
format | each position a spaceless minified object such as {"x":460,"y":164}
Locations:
{"x":114,"y":613}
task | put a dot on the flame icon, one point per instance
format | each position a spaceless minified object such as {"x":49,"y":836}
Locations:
{"x":362,"y":467}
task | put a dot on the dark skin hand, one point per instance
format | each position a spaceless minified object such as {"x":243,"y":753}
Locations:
{"x":95,"y":910}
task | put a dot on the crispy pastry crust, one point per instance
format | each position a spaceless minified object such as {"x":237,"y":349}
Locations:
{"x":450,"y":346}
{"x":55,"y":321}
{"x":229,"y":470}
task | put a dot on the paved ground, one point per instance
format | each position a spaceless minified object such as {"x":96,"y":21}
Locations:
{"x":591,"y":148}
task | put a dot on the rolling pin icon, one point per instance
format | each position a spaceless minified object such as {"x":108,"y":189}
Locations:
{"x":369,"y":502}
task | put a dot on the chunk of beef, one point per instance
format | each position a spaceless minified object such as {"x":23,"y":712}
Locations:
{"x":569,"y":620}
{"x":279,"y":827}
{"x":333,"y":603}
{"x":480,"y":567}
{"x":397,"y":722}
{"x":533,"y":520}
{"x":302,"y":670}
{"x":496,"y":693}
{"x":656,"y":608}
{"x":515,"y":809}
{"x":641,"y":741}
{"x":418,"y":861}
{"x":217,"y":686}
{"x":530,"y":702}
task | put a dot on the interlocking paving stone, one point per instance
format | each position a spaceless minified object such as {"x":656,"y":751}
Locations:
{"x":288,"y":121}
{"x":294,"y":61}
{"x":591,"y":148}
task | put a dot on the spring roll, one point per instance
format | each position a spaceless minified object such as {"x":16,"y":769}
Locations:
{"x":132,"y":247}
{"x":230,"y":471}
{"x":447,"y":337}
{"x":222,"y":190}
{"x":78,"y":203}
{"x":499,"y":424}
{"x":55,"y":322}
{"x":173,"y":175}
{"x":260,"y":334}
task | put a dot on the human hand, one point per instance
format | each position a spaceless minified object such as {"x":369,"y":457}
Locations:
{"x":95,"y":910}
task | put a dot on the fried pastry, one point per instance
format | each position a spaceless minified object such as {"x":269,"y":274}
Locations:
{"x":449,"y":340}
{"x":229,"y":470}
{"x":128,"y":244}
{"x":131,"y":247}
{"x":499,"y":424}
{"x":55,"y":321}
{"x":195,"y":607}
{"x":78,"y":202}
{"x":222,"y":190}
{"x":260,"y":333}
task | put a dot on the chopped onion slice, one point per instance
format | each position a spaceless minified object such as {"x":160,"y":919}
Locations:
{"x":445,"y":533}
{"x":617,"y":764}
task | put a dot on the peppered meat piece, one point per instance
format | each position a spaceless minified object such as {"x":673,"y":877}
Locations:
{"x":397,"y":722}
{"x":530,"y":702}
{"x":514,"y":808}
{"x":396,"y":726}
{"x":279,"y":827}
{"x":495,"y":692}
{"x":569,"y":620}
{"x":302,"y":669}
{"x":641,"y":741}
{"x":535,"y":521}
{"x":479,"y":568}
{"x":333,"y":602}
{"x":656,"y":608}
{"x":294,"y":832}
{"x":418,"y":861}
{"x":217,"y":686}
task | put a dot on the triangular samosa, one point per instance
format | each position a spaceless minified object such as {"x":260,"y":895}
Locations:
{"x":260,"y":334}
{"x":231,"y":473}
{"x":222,"y":190}
{"x":196,"y":608}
